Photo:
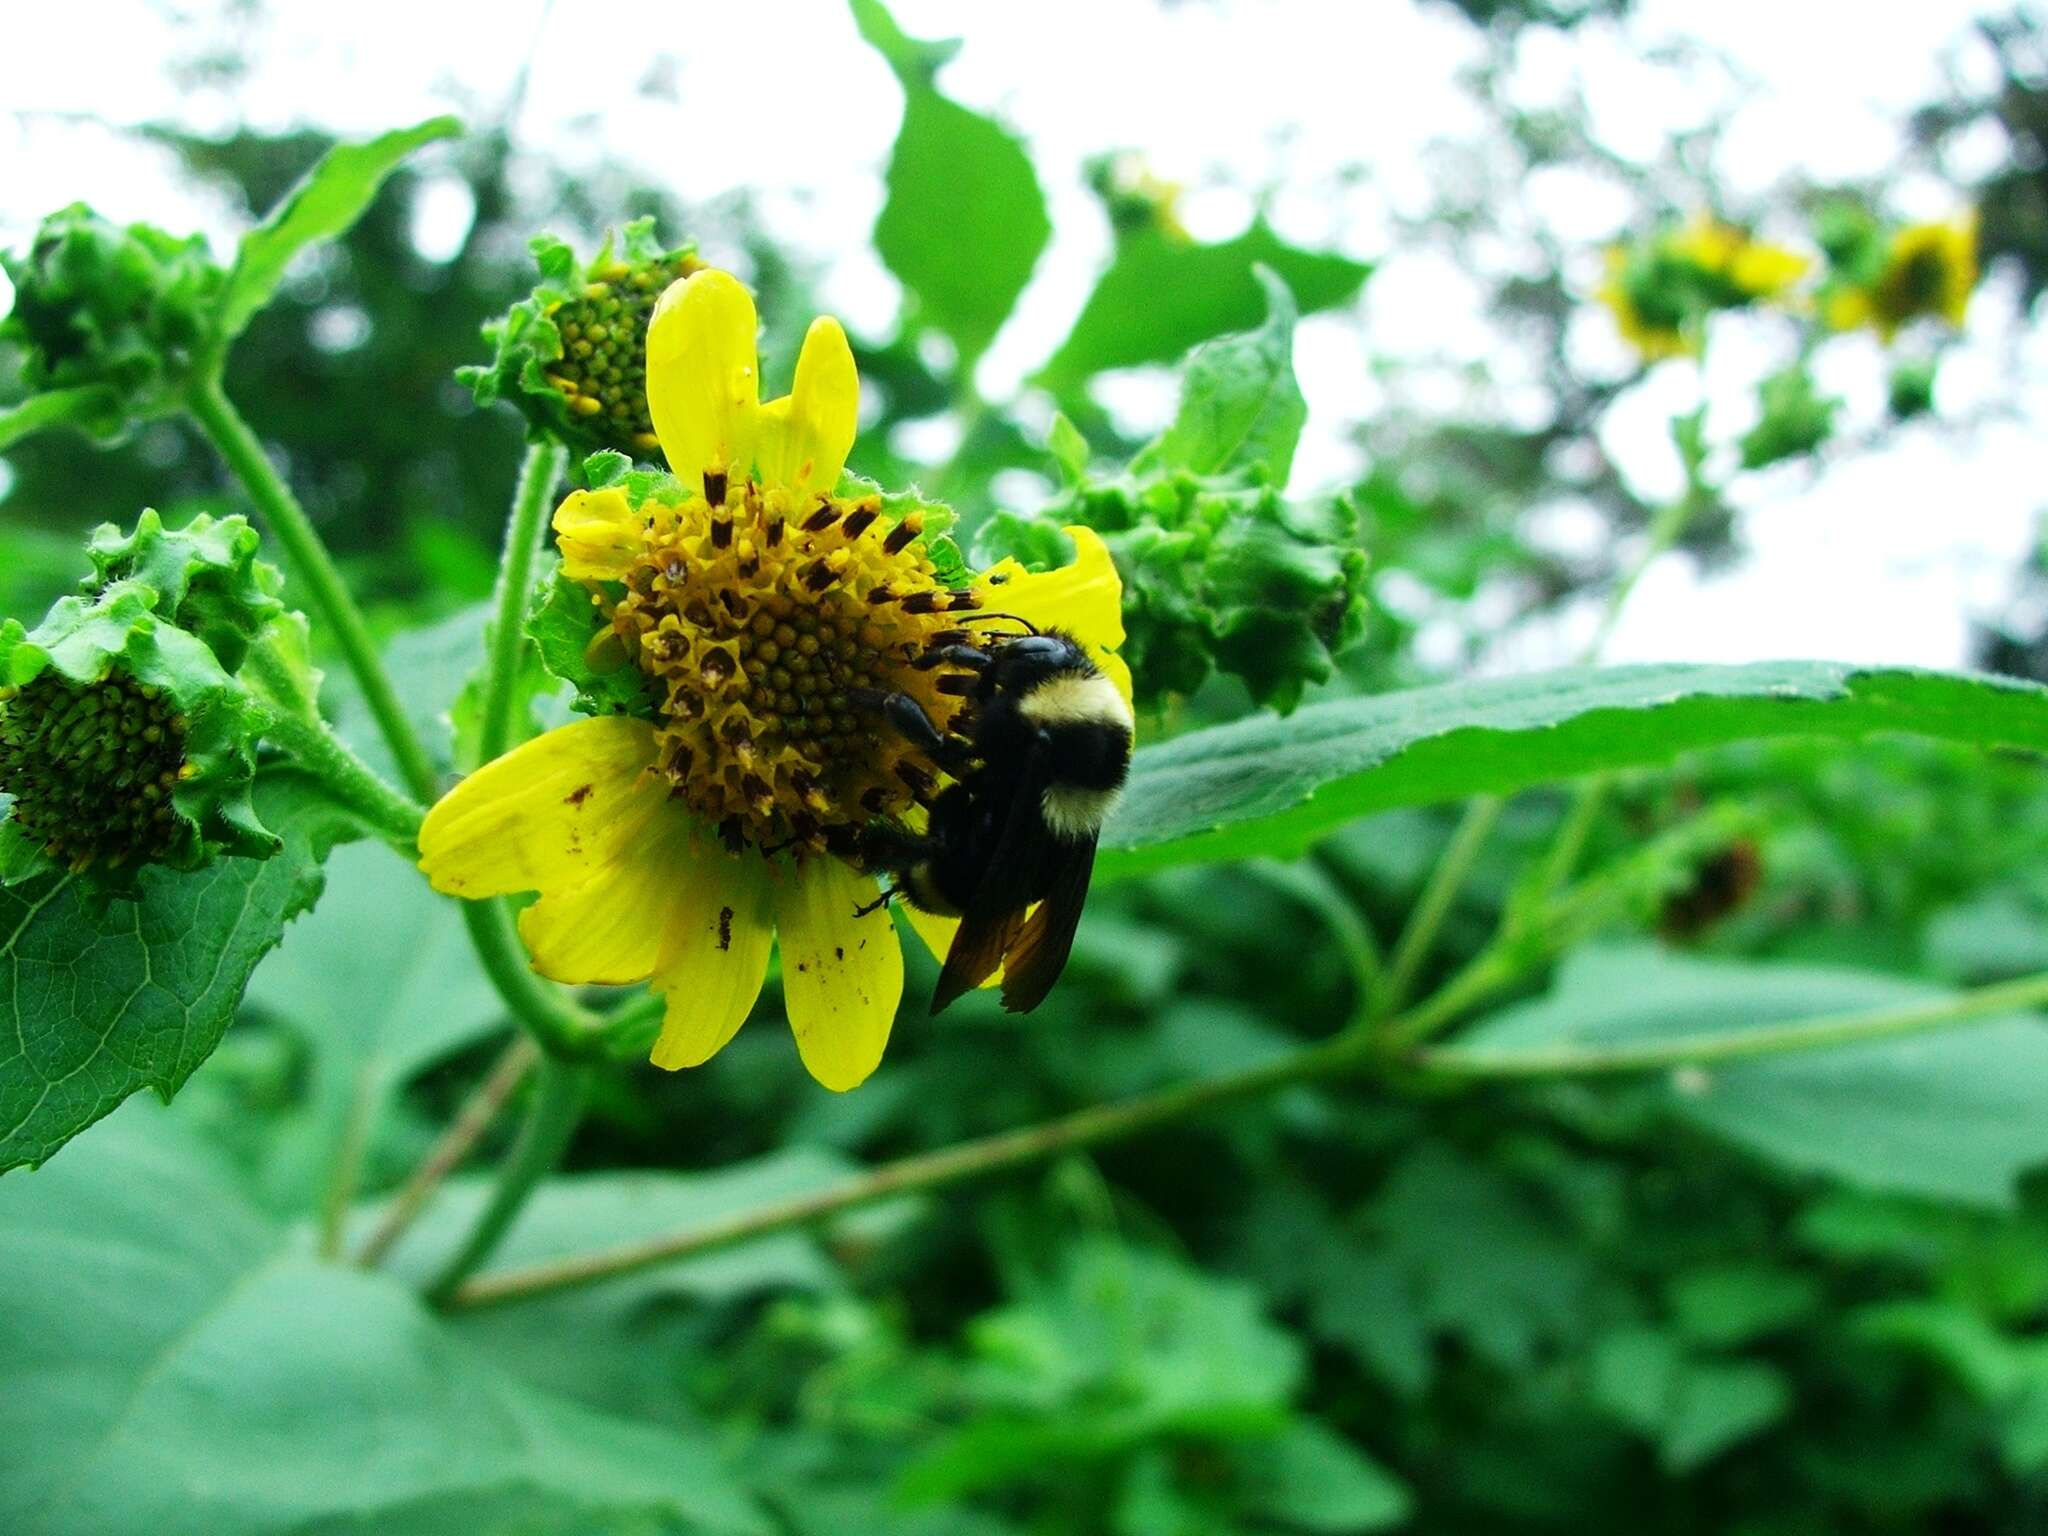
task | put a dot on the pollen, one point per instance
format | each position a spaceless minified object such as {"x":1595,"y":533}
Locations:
{"x":773,"y":625}
{"x":602,"y":372}
{"x":92,"y":768}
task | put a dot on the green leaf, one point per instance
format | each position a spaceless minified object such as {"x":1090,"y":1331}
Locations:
{"x":330,"y":199}
{"x":1312,"y":1479}
{"x":1162,"y":294}
{"x":380,"y":982}
{"x":107,"y":995}
{"x":1693,"y":1407}
{"x":965,"y":218}
{"x":1954,"y":1115}
{"x":229,"y":1386}
{"x":1738,"y":1303}
{"x":1241,"y":412}
{"x":95,"y":409}
{"x":1274,"y":786}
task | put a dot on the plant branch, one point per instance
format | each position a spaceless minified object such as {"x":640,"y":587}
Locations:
{"x":551,"y":1119}
{"x":1355,"y":1050}
{"x":560,"y":1025}
{"x":1439,"y":892}
{"x":1701,"y":1050}
{"x":349,"y":781}
{"x":453,"y":1145}
{"x":314,"y":570}
{"x":924,"y":1173}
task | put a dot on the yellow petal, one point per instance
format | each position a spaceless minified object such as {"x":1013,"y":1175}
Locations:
{"x":1085,"y":599}
{"x":936,"y":934}
{"x":805,"y":436}
{"x":547,"y":815}
{"x":703,"y":376}
{"x":842,"y":975}
{"x":610,"y":929}
{"x":599,"y":535}
{"x":715,"y":954}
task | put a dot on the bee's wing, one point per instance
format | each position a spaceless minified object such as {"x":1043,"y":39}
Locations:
{"x":1038,"y":954}
{"x":995,"y":913}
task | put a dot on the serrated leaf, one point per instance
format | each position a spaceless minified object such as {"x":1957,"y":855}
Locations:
{"x":1954,"y":1115}
{"x":332,"y":197}
{"x":1241,"y":411}
{"x":1162,"y":294}
{"x":104,"y":996}
{"x":965,"y":218}
{"x":1274,"y":786}
{"x":235,"y":1388}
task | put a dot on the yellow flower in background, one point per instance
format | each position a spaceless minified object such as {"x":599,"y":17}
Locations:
{"x":1928,"y":270}
{"x":679,"y":848}
{"x":1660,"y":291}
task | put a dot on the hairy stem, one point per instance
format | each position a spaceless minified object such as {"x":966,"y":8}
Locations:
{"x":551,"y":1119}
{"x":454,"y":1144}
{"x":314,"y":571}
{"x":507,"y":636}
{"x":348,"y":780}
{"x":560,"y":1025}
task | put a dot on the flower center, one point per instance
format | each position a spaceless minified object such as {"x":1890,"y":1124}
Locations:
{"x":772,"y":625}
{"x":91,"y":768}
{"x":602,"y":372}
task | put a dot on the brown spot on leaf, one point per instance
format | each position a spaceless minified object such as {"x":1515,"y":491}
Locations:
{"x":578,"y":795}
{"x":725,"y":927}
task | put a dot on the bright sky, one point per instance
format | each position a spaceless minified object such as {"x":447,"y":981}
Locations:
{"x":1880,"y":559}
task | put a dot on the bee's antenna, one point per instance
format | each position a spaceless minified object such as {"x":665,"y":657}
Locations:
{"x":1014,"y":618}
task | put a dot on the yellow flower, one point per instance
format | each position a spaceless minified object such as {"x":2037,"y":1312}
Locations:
{"x":1661,"y":291}
{"x":1929,"y":269}
{"x":679,"y":848}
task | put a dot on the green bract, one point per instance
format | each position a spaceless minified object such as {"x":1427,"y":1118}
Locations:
{"x":1220,"y":568}
{"x":125,"y":737}
{"x":572,"y":355}
{"x":114,"y":316}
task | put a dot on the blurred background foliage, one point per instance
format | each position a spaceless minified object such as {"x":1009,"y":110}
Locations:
{"x":1549,"y":1309}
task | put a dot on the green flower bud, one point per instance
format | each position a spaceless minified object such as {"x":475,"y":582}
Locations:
{"x":125,"y":310}
{"x":1232,"y":578}
{"x":572,"y":356}
{"x":125,"y":736}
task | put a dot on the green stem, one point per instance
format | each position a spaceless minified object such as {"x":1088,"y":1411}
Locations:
{"x":314,"y":571}
{"x":923,"y":1173}
{"x":1350,"y":1052}
{"x":1704,"y":1050}
{"x":537,"y":477}
{"x":561,"y":1026}
{"x":454,"y":1144}
{"x":351,"y":782}
{"x":1412,"y":949}
{"x":551,"y":1119}
{"x":1310,"y":884}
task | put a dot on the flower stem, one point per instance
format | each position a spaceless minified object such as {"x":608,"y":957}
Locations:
{"x":551,"y":1119}
{"x":1702,"y":1050}
{"x":560,"y":1025}
{"x":348,"y":780}
{"x":1354,"y":1050}
{"x":314,"y":570}
{"x":454,"y":1145}
{"x":507,"y":640}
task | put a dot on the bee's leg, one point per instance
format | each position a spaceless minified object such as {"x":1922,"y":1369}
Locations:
{"x":889,"y":894}
{"x":952,"y":656}
{"x":909,"y":718}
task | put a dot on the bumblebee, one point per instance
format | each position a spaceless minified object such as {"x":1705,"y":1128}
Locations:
{"x":1010,"y":844}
